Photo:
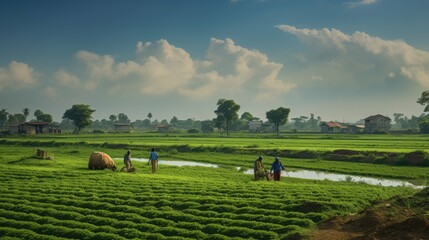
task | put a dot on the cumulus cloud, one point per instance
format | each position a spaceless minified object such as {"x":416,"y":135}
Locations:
{"x":66,"y":79}
{"x":162,"y":68}
{"x":367,"y":53}
{"x":232,"y":69}
{"x":17,"y":75}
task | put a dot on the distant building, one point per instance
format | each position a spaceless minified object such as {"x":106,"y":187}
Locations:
{"x":353,"y":128}
{"x":35,"y":128}
{"x":163,"y":128}
{"x":377,"y":123}
{"x":267,"y":127}
{"x":13,"y":128}
{"x":123,"y":127}
{"x":331,"y":127}
{"x":255,"y":125}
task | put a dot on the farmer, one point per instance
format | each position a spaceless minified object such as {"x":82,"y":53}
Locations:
{"x":127,"y":160}
{"x":259,"y":169}
{"x":277,"y":168}
{"x":153,"y":157}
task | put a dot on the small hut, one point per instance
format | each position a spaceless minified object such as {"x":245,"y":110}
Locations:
{"x":100,"y":161}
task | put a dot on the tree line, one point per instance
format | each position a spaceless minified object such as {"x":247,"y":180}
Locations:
{"x":79,"y":116}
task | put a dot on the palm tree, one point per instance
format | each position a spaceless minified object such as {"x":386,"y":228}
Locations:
{"x":26,"y":113}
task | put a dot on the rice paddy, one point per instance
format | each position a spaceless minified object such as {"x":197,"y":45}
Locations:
{"x":62,"y":199}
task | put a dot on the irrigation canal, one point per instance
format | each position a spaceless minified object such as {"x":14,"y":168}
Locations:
{"x":299,"y":173}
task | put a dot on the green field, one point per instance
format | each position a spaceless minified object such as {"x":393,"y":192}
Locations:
{"x":62,"y":199}
{"x":322,"y":142}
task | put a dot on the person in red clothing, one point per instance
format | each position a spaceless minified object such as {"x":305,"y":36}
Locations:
{"x":277,"y":168}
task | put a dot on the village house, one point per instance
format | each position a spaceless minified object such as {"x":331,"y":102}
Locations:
{"x":255,"y":125}
{"x":331,"y":127}
{"x":163,"y":128}
{"x":34,"y":128}
{"x":377,"y":123}
{"x":123,"y":127}
{"x":353,"y":128}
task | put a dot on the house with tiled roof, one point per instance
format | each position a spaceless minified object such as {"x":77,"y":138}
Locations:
{"x":331,"y":127}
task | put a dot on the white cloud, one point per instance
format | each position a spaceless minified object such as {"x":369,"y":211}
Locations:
{"x":325,"y":36}
{"x":66,"y":79}
{"x":17,"y":75}
{"x":161,"y":68}
{"x":360,"y":3}
{"x":363,"y":52}
{"x":232,"y":69}
{"x":50,"y":91}
{"x":319,"y":78}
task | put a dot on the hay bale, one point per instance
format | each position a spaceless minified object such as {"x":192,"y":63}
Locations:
{"x":100,"y":161}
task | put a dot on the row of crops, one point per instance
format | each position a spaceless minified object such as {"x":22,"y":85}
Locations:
{"x":59,"y":200}
{"x":315,"y":142}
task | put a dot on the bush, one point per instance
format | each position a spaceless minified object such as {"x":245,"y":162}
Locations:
{"x":193,"y":130}
{"x":98,"y":131}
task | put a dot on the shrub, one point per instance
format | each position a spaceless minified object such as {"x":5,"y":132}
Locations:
{"x":193,"y":130}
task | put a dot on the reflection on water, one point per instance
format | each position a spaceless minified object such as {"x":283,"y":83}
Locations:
{"x":318,"y":175}
{"x":305,"y":174}
{"x":177,"y":163}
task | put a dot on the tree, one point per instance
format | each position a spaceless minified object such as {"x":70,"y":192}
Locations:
{"x":80,"y":114}
{"x":278,"y":117}
{"x":37,"y":113}
{"x":3,"y":118}
{"x":424,"y":100}
{"x":228,"y":109}
{"x":297,"y":123}
{"x":313,"y":123}
{"x":123,"y":118}
{"x":113,"y":118}
{"x":44,"y":118}
{"x":424,"y":124}
{"x":219,"y":123}
{"x":174,"y":121}
{"x":16,"y":118}
{"x":26,"y":113}
{"x":207,"y":126}
{"x":246,"y":116}
{"x":11,"y":119}
{"x":149,"y":115}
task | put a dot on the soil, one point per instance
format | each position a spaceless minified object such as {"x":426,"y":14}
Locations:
{"x":389,"y":220}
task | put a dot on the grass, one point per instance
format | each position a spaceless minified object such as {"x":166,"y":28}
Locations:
{"x":61,"y":199}
{"x":316,"y":142}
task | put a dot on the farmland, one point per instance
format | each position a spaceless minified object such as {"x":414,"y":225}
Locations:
{"x":61,"y":199}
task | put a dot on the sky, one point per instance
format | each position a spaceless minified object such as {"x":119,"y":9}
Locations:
{"x":340,"y":60}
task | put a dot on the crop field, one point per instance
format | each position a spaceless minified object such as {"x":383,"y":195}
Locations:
{"x":62,"y":199}
{"x":317,"y":142}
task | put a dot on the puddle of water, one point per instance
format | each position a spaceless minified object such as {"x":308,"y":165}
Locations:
{"x":304,"y":174}
{"x":317,"y":175}
{"x":176,"y":163}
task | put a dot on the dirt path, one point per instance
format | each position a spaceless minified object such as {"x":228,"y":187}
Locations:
{"x":404,"y":218}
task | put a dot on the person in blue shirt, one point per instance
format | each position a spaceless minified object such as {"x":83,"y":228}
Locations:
{"x":153,"y":157}
{"x":277,"y":168}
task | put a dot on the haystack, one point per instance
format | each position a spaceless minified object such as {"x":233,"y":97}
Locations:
{"x":100,"y":161}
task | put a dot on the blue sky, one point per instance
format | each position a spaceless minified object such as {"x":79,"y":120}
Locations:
{"x":341,"y":60}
